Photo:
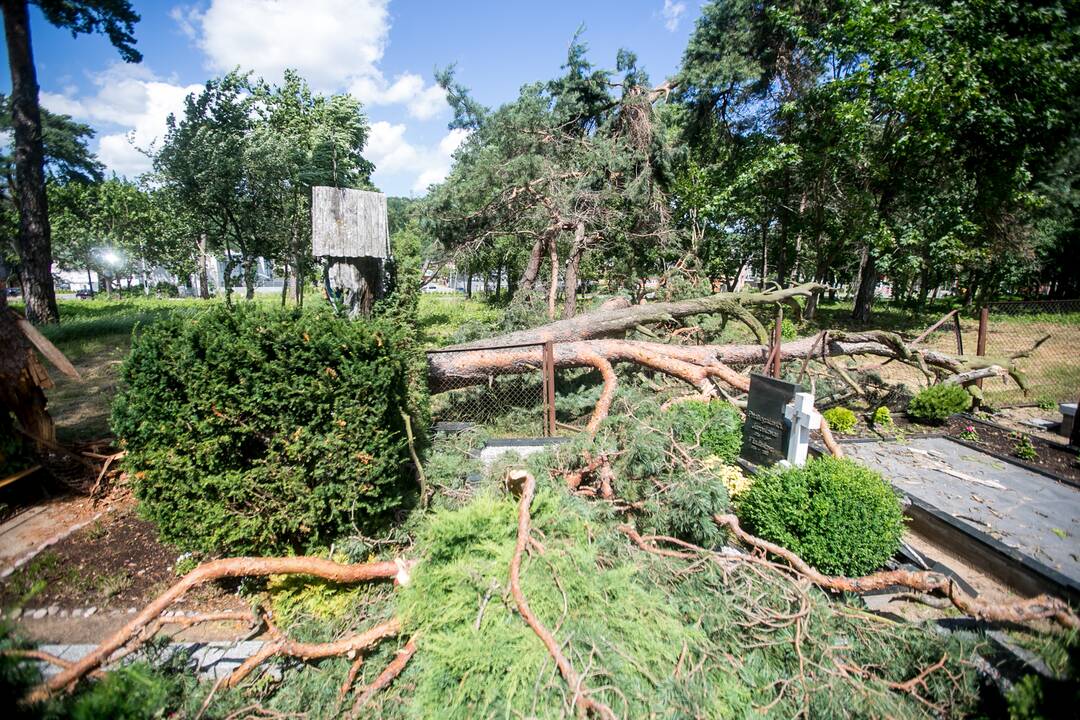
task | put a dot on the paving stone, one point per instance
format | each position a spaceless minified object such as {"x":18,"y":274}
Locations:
{"x":63,"y":613}
{"x":40,"y":613}
{"x":90,"y":611}
{"x":77,"y":612}
{"x":53,"y":609}
{"x":1022,"y":509}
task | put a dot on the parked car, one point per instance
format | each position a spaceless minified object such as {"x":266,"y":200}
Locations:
{"x":84,"y":294}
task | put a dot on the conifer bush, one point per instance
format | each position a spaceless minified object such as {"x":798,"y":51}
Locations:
{"x":256,"y":431}
{"x":838,"y":515}
{"x":840,"y":419}
{"x":937,"y":402}
{"x":715,"y":426}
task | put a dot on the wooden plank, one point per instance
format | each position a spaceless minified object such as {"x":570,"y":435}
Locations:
{"x":19,"y":475}
{"x":348,"y":223}
{"x":45,"y":347}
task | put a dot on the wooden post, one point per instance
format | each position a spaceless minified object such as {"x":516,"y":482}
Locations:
{"x":980,"y":344}
{"x":549,"y":388}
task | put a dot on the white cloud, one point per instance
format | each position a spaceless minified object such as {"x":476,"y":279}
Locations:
{"x":393,"y":155}
{"x":672,"y":13}
{"x":333,"y":44}
{"x":132,"y":98}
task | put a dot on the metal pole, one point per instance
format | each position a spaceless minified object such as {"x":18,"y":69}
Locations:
{"x":980,"y":344}
{"x":549,"y":388}
{"x":776,"y":339}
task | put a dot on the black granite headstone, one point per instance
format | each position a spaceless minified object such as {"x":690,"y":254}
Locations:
{"x":765,"y":433}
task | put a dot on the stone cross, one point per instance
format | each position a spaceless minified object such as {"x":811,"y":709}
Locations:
{"x":803,"y":417}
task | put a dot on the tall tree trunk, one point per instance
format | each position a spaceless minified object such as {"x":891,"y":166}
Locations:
{"x":204,"y":275}
{"x":284,"y":283}
{"x":573,"y":263}
{"x":299,"y":266}
{"x":468,"y":282}
{"x":34,"y":241}
{"x":764,"y":251}
{"x":248,"y":265}
{"x":532,"y":268}
{"x":868,"y":274}
{"x":554,"y":289}
{"x":864,"y":296}
{"x":90,"y":282}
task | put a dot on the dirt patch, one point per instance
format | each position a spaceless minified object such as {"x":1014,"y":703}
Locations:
{"x":1062,"y":463}
{"x":1014,"y":419}
{"x":115,"y":561}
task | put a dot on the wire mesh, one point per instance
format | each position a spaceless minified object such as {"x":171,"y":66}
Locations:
{"x":509,"y":397}
{"x":1053,"y":368}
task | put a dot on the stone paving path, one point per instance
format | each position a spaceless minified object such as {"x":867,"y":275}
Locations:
{"x":1032,"y":513}
{"x":212,"y":660}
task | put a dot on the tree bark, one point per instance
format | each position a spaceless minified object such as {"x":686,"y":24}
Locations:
{"x":248,"y":265}
{"x":554,"y":289}
{"x":864,"y":296}
{"x":34,"y":241}
{"x":204,"y":275}
{"x":573,"y":263}
{"x":616,"y":321}
{"x":532,"y":268}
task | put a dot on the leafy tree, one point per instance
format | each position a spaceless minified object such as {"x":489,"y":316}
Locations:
{"x":116,"y":19}
{"x":244,"y":157}
{"x":67,"y":160}
{"x":569,"y":167}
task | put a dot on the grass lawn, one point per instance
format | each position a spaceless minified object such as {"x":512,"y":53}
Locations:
{"x":96,"y":336}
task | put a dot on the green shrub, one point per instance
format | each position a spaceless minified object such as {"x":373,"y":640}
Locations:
{"x":715,"y":426}
{"x":882,"y":418}
{"x":1024,"y":449}
{"x":937,"y":402}
{"x":259,"y":430}
{"x":839,"y":516}
{"x":166,"y":289}
{"x":840,"y":419}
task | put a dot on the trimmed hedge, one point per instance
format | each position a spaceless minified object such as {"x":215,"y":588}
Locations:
{"x":716,"y":426}
{"x":836,"y":514}
{"x":258,"y":430}
{"x":937,"y":402}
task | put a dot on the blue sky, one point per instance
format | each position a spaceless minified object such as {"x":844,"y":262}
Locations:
{"x":382,"y":51}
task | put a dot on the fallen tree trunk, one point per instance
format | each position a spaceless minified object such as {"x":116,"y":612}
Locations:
{"x":214,"y":570}
{"x":617,"y":321}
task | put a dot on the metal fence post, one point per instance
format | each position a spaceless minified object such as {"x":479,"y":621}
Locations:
{"x":980,"y":345}
{"x":549,"y":388}
{"x":776,"y":341}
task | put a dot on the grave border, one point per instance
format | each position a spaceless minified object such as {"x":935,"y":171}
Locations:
{"x":1019,"y":572}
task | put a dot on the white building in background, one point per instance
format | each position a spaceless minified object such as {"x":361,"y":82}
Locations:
{"x":75,"y":280}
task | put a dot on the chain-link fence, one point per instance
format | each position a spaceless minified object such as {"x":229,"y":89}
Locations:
{"x":502,"y":388}
{"x":1052,"y":368}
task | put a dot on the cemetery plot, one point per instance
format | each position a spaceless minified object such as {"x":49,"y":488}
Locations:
{"x":1025,"y":511}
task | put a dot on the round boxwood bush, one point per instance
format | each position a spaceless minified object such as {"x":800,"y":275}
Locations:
{"x":840,"y":419}
{"x":258,"y":430}
{"x":839,"y":516}
{"x":937,"y":402}
{"x":716,"y":426}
